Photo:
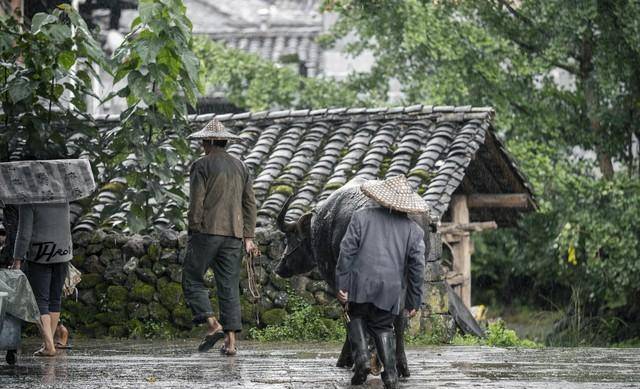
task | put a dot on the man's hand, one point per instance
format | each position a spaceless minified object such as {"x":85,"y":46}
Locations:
{"x":342,"y":296}
{"x":410,"y":313}
{"x":16,"y":264}
{"x":251,"y":247}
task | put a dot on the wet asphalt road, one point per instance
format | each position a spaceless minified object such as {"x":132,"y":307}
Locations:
{"x":123,"y":364}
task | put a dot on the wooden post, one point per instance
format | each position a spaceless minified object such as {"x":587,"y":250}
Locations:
{"x":11,"y":6}
{"x":462,"y":249}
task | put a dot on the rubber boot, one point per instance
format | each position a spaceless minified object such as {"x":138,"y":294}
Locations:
{"x":345,"y":359}
{"x":359,"y":351}
{"x":400,"y":323}
{"x":386,"y":345}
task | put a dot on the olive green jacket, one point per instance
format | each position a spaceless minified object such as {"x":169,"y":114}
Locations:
{"x":221,"y":196}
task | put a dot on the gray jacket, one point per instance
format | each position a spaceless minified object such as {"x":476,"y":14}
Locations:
{"x":378,"y":249}
{"x":44,"y":233}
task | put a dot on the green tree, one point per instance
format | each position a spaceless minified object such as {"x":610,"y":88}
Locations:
{"x":45,"y":80}
{"x":253,"y":83}
{"x":504,"y":54}
{"x":162,"y":75}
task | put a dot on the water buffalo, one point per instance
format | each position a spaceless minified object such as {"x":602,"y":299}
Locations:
{"x":314,"y":240}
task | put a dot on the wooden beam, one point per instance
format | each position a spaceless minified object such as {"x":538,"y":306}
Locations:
{"x":451,"y":238}
{"x":454,"y":279}
{"x":460,"y":229}
{"x":502,"y":200}
{"x":462,"y":250}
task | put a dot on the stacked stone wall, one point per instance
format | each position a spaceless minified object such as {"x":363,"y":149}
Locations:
{"x":131,"y":287}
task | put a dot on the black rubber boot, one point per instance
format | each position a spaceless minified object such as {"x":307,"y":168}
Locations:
{"x":345,"y":359}
{"x":359,"y":351}
{"x":386,"y":345}
{"x":400,"y":323}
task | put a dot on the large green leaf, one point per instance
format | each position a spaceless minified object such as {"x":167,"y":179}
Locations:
{"x":20,"y":89}
{"x":67,"y":59}
{"x":41,"y":19}
{"x":136,"y":219}
{"x":148,"y":9}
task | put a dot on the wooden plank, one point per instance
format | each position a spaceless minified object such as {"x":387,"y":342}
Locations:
{"x":462,"y":250}
{"x":499,"y":200}
{"x":460,"y":229}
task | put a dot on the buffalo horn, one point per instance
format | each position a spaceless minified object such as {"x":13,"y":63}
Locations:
{"x":280,"y":222}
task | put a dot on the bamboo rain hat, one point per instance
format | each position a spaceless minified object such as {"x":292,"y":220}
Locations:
{"x":395,"y":193}
{"x":214,"y":130}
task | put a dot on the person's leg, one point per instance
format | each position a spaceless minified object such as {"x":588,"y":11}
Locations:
{"x":358,"y":341}
{"x":201,"y":248}
{"x":226,"y":267}
{"x":39,"y":277}
{"x":381,"y":326}
{"x":58,"y":275}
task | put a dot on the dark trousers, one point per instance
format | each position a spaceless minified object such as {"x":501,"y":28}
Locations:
{"x":224,"y":255}
{"x":377,"y":320}
{"x":47,"y":281}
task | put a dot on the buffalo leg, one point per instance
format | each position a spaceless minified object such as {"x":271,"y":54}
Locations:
{"x":345,"y":359}
{"x":400,"y":323}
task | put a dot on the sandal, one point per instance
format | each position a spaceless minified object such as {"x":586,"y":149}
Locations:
{"x":43,"y":353}
{"x":60,"y":346}
{"x":209,"y":341}
{"x":227,"y":352}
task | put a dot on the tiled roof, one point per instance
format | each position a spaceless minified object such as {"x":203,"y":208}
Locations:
{"x":273,"y":44}
{"x":311,"y":153}
{"x":443,"y":150}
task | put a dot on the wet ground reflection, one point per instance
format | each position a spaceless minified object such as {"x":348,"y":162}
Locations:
{"x":125,"y":364}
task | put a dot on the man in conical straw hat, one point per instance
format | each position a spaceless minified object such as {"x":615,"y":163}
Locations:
{"x":380,"y":246}
{"x":222,"y":218}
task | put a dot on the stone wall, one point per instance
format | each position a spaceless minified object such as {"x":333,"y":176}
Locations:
{"x":434,"y":318}
{"x":131,"y":288}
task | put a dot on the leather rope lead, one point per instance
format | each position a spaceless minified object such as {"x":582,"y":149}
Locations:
{"x":254,"y":290}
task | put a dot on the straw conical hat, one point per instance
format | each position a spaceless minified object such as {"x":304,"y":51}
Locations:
{"x":214,"y":130}
{"x":395,"y":193}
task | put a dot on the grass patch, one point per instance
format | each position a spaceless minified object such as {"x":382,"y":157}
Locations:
{"x":432,"y":339}
{"x":628,"y":343}
{"x":304,"y":323}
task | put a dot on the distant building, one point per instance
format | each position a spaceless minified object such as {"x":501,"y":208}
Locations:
{"x":282,"y":31}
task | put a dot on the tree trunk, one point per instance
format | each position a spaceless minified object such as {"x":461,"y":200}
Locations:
{"x":591,"y":100}
{"x":605,"y":164}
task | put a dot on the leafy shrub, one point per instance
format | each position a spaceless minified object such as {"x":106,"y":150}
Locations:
{"x":304,"y":323}
{"x":150,"y":329}
{"x":497,"y":336}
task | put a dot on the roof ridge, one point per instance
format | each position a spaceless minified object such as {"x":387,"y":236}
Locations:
{"x":349,"y":111}
{"x":335,"y":113}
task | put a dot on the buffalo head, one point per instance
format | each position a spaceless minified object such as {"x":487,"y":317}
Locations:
{"x":298,"y":256}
